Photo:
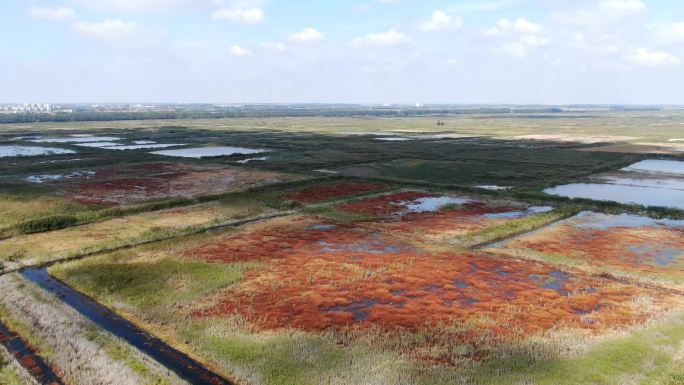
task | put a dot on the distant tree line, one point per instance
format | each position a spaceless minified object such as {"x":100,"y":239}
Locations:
{"x":83,"y":116}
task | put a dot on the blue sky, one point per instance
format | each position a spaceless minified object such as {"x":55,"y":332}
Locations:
{"x":368,"y":51}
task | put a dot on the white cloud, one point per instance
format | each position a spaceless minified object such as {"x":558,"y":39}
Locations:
{"x":118,"y":31}
{"x":605,"y":12}
{"x":519,"y":26}
{"x":363,"y":7}
{"x":382,"y":39}
{"x":670,"y":33}
{"x":624,"y":7}
{"x":307,"y":35}
{"x":441,"y":21}
{"x":238,"y":51}
{"x":51,"y":13}
{"x":526,"y":36}
{"x":483,"y":6}
{"x":140,"y":5}
{"x":645,"y":58}
{"x":246,"y":16}
{"x":274,"y":47}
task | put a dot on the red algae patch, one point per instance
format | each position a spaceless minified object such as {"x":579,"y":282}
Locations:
{"x":384,"y":206}
{"x":626,"y":243}
{"x":329,"y":277}
{"x":159,"y":180}
{"x":333,"y":191}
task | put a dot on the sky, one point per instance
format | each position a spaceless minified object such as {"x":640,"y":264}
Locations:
{"x":334,"y":51}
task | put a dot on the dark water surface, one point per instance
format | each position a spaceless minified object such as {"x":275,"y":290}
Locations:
{"x":184,"y":366}
{"x":41,"y":371}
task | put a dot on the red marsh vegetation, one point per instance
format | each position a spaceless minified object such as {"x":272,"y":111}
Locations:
{"x":159,"y":180}
{"x":419,"y":212}
{"x":650,"y":248}
{"x":344,"y":278}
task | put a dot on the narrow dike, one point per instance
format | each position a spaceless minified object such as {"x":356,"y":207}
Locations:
{"x":176,"y":361}
{"x":27,"y":358}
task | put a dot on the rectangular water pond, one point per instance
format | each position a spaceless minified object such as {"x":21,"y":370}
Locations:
{"x":658,"y":166}
{"x":10,"y":151}
{"x":650,"y":182}
{"x":77,"y":139}
{"x":647,"y":196}
{"x":201,"y":152}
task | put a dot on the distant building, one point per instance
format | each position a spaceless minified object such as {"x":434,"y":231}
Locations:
{"x":38,"y":108}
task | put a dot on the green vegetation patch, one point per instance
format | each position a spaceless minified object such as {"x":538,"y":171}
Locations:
{"x":648,"y":356}
{"x":8,"y":374}
{"x":515,"y":227}
{"x":152,"y":285}
{"x":464,"y":172}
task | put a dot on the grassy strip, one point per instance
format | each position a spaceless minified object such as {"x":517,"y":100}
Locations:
{"x":515,"y":227}
{"x":153,"y":237}
{"x":55,"y":222}
{"x":33,"y":249}
{"x":119,"y":352}
{"x":25,"y":331}
{"x":332,"y":214}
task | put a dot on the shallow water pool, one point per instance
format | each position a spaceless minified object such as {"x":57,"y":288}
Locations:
{"x":659,"y":166}
{"x":201,"y":152}
{"x":647,"y":196}
{"x":9,"y":151}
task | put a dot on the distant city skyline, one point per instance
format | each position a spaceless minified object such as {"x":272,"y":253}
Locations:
{"x":550,"y":52}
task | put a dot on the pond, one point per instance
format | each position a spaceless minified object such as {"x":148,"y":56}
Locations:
{"x":77,"y":139}
{"x":9,"y":151}
{"x":120,"y":146}
{"x":431,"y":204}
{"x":201,"y":152}
{"x":590,"y":220}
{"x":651,"y":182}
{"x":394,"y":139}
{"x":658,"y":166}
{"x":647,"y":196}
